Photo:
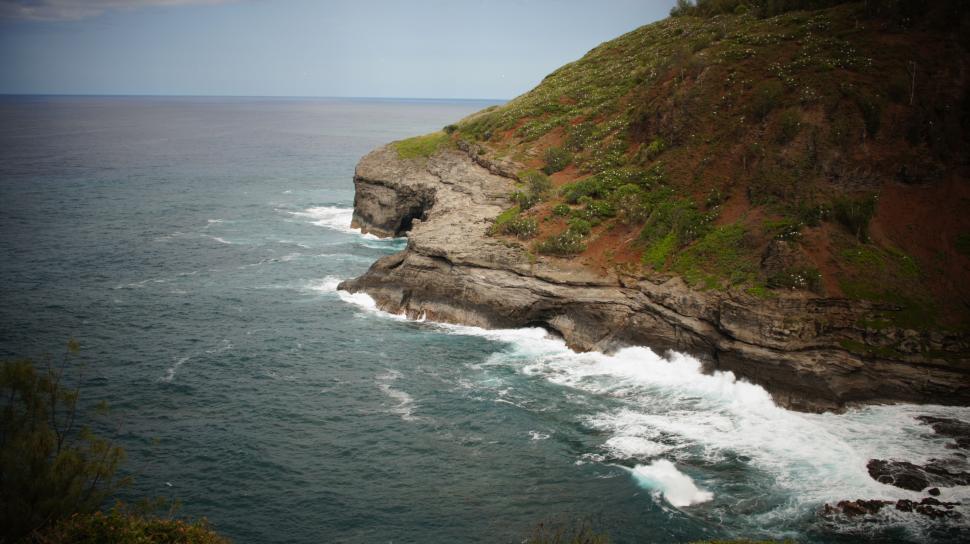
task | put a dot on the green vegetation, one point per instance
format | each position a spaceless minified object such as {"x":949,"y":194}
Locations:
{"x":569,"y":242}
{"x":781,"y":120}
{"x":521,"y":227}
{"x":421,"y":146}
{"x":504,"y":218}
{"x":556,"y":159}
{"x":855,"y":214}
{"x":536,"y":188}
{"x":796,"y":278}
{"x":122,"y":525}
{"x":765,"y":98}
{"x":52,"y":464}
{"x":536,"y":182}
{"x":717,"y":260}
{"x":55,"y":472}
{"x":788,"y":126}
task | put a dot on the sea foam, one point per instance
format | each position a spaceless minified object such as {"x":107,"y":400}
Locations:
{"x":676,"y":487}
{"x":334,"y":218}
{"x":668,"y":406}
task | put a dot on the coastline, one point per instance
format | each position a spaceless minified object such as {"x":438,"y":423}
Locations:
{"x":452,"y":271}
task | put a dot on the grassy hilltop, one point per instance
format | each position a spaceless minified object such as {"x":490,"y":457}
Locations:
{"x":812,"y":146}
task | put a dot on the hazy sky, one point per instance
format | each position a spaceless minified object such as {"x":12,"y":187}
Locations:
{"x":382,"y":48}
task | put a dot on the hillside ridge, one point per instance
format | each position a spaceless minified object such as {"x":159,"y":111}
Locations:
{"x":765,"y":193}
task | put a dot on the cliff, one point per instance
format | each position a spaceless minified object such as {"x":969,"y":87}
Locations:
{"x":453,"y":271}
{"x":763,"y":193}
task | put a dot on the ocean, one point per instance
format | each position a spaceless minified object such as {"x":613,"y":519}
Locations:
{"x":193,"y":247}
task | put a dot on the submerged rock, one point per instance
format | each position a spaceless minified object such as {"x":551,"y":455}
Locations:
{"x":898,"y":473}
{"x":914,"y":477}
{"x":950,"y":428}
{"x":929,"y":507}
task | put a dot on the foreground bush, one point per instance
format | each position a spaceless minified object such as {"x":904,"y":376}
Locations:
{"x":51,"y":464}
{"x":120,"y":526}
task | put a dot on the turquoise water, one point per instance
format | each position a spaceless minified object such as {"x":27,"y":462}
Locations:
{"x":193,"y":246}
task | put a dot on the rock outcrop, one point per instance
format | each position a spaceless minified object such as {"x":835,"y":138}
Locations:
{"x":803,"y":348}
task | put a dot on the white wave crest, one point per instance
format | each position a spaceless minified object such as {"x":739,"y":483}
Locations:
{"x":334,"y":218}
{"x":217,"y":239}
{"x":676,"y":487}
{"x":405,"y":403}
{"x":170,"y":371}
{"x":668,"y":406}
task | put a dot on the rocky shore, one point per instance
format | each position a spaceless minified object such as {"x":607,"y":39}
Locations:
{"x":810,"y":352}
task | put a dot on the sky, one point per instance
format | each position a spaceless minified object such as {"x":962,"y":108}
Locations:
{"x":363,"y":48}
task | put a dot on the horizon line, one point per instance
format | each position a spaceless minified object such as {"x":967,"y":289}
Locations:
{"x":153,"y":95}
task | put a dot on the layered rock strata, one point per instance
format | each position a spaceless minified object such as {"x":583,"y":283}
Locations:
{"x":795,"y":345}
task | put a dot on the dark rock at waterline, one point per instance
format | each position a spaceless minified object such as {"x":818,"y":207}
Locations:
{"x":811,"y":352}
{"x":958,"y":430}
{"x":898,"y":473}
{"x":929,"y":507}
{"x":934,"y":491}
{"x":855,"y":508}
{"x":914,"y":477}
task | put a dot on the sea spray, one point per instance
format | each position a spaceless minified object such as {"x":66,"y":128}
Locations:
{"x":676,"y":487}
{"x":668,"y":406}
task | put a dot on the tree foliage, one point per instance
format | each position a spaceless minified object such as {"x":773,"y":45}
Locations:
{"x":121,"y":524}
{"x":51,"y":464}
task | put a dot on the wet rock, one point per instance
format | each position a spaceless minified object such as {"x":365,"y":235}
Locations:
{"x":929,"y":507}
{"x":934,"y":491}
{"x":914,"y":477}
{"x":950,"y":428}
{"x":898,"y":473}
{"x":935,"y":509}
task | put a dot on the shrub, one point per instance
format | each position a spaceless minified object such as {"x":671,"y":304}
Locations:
{"x":524,"y":200}
{"x":580,"y":226}
{"x":783,"y":229}
{"x":871,"y":108}
{"x":591,"y":187}
{"x":450,"y":129}
{"x":855,"y":214}
{"x":600,"y":208}
{"x":567,"y":243}
{"x":562,"y":210}
{"x":721,"y":254}
{"x":556,"y":159}
{"x":629,"y":203}
{"x":536,"y":182}
{"x":51,"y":464}
{"x":522,"y":227}
{"x":121,"y":525}
{"x":679,"y":216}
{"x":499,"y":224}
{"x":797,"y":278}
{"x":656,"y":254}
{"x":767,"y":95}
{"x":580,"y":135}
{"x":788,"y":126}
{"x":655,"y":148}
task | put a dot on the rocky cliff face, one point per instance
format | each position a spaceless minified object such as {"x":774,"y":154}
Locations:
{"x":803,"y":348}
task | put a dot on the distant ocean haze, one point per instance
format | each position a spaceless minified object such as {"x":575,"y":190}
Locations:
{"x":194,"y":247}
